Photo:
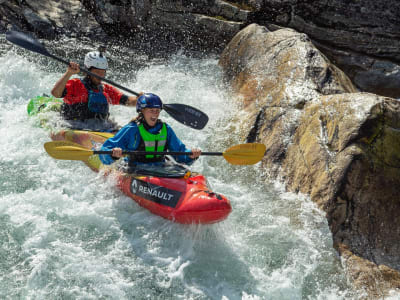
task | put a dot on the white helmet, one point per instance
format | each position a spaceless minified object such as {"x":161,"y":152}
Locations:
{"x":96,"y":59}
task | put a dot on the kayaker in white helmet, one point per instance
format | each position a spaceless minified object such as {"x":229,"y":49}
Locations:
{"x":87,"y":100}
{"x":147,"y":132}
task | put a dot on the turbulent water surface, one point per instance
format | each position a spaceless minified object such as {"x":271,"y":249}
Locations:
{"x":68,"y":233}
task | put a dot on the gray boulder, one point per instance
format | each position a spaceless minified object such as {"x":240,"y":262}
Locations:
{"x":326,"y":140}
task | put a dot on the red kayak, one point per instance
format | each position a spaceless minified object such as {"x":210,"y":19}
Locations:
{"x":185,"y":198}
{"x":182,"y":200}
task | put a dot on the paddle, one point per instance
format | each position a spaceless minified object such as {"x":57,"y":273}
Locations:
{"x":242,"y":154}
{"x":184,"y":114}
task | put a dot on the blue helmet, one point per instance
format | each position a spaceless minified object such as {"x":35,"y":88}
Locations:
{"x":148,"y":100}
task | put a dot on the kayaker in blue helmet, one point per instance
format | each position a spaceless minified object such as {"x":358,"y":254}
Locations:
{"x":147,"y":132}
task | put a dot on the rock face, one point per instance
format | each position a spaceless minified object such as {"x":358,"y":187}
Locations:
{"x":361,"y":37}
{"x":327,"y":140}
{"x":170,"y":25}
{"x":49,"y":18}
{"x":157,"y":25}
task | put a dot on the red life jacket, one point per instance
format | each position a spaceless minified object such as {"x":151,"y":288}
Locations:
{"x":95,"y":105}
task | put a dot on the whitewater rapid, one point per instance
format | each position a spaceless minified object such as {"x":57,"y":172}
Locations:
{"x":68,"y":233}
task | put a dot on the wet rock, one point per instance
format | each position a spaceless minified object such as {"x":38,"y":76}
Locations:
{"x":40,"y":24}
{"x":49,"y":18}
{"x":171,"y":25}
{"x":11,"y":17}
{"x":324,"y":139}
{"x":349,"y":32}
{"x":162,"y":25}
{"x":69,"y":17}
{"x":276,"y":75}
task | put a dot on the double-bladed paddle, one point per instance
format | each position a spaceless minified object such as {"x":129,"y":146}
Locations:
{"x":183,"y":113}
{"x":242,"y":154}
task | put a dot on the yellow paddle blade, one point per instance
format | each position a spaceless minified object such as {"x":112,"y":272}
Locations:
{"x":245,"y":154}
{"x":67,"y":150}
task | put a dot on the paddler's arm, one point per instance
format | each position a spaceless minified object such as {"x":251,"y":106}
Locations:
{"x":117,"y":97}
{"x":59,"y":87}
{"x":175,"y":144}
{"x":117,"y":141}
{"x":123,"y":140}
{"x":131,"y":100}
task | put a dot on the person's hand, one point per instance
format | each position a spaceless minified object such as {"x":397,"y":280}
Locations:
{"x":73,"y":68}
{"x":195,"y":153}
{"x":116,"y":152}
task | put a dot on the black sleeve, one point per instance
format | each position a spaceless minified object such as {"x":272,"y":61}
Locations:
{"x":123,"y":100}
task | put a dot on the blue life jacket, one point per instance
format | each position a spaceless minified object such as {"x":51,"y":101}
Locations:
{"x":97,"y":102}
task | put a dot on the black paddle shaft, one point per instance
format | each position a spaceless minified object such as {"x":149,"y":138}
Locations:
{"x":158,"y":153}
{"x":97,"y":76}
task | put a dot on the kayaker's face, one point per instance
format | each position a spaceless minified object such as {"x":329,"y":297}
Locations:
{"x":99,"y":72}
{"x":151,"y":115}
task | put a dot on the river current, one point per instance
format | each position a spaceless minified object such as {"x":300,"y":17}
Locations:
{"x":69,"y":233}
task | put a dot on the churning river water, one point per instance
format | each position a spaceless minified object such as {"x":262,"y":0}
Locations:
{"x":69,"y":233}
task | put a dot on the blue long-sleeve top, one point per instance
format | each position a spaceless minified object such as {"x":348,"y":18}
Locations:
{"x":128,"y":138}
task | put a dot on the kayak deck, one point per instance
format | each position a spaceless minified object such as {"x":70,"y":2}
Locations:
{"x":182,"y":200}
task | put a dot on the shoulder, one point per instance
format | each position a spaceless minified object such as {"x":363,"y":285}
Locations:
{"x":74,"y":82}
{"x":170,"y":131}
{"x":169,"y":128}
{"x":131,"y":126}
{"x":129,"y":130}
{"x":75,"y":88}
